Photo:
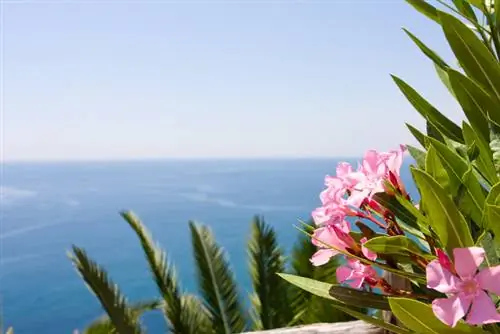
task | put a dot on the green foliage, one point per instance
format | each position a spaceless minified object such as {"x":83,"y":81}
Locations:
{"x":219,"y":310}
{"x":175,"y":310}
{"x":120,"y":313}
{"x":419,"y":317}
{"x":270,"y":304}
{"x":309,"y":308}
{"x":457,"y":176}
{"x":216,"y":282}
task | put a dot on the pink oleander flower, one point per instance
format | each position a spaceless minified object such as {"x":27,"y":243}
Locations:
{"x":466,"y":287}
{"x":355,"y":273}
{"x":331,"y":235}
{"x":374,"y":169}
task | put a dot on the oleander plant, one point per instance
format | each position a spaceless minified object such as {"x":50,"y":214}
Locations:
{"x":442,"y":245}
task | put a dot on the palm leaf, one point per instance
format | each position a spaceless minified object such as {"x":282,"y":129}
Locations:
{"x":103,"y":325}
{"x":270,"y":306}
{"x":216,"y":282}
{"x":108,"y":293}
{"x":195,"y":314}
{"x":165,"y":277}
{"x":309,"y":308}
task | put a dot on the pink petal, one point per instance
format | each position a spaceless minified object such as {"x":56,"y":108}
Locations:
{"x":483,"y":310}
{"x":467,"y":260}
{"x":322,"y":256}
{"x":357,"y":197}
{"x":344,"y":169}
{"x":343,"y":273}
{"x":489,"y":279}
{"x":370,"y":255}
{"x":440,"y":279}
{"x":370,"y":162}
{"x":395,"y":160}
{"x":331,"y":236}
{"x":356,"y":283}
{"x":334,"y":182}
{"x":450,"y":310}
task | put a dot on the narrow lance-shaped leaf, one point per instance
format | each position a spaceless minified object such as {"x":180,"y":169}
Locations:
{"x":217,"y":282}
{"x":108,"y":293}
{"x":484,"y":161}
{"x":417,"y":134}
{"x":473,"y":55}
{"x":435,"y":168}
{"x":444,"y":217}
{"x":425,"y":8}
{"x":491,"y":214}
{"x":495,"y":144}
{"x":431,"y":114}
{"x":270,"y":306}
{"x":420,"y":318}
{"x":459,"y":172}
{"x":475,"y":102}
{"x":418,"y":155}
{"x":322,"y":289}
{"x":395,"y":245}
{"x":166,"y":279}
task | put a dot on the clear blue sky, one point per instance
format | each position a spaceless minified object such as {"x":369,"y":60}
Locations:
{"x":119,"y":80}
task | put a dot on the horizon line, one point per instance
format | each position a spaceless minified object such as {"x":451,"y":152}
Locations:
{"x":159,"y":159}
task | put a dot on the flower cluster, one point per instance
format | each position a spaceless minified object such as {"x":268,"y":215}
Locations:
{"x":350,"y":193}
{"x":345,"y":194}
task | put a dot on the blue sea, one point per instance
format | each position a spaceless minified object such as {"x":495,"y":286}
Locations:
{"x":47,"y":207}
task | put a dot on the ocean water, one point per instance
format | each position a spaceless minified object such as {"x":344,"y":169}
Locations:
{"x":47,"y":207}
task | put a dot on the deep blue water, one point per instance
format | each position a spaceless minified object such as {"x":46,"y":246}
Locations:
{"x":47,"y":207}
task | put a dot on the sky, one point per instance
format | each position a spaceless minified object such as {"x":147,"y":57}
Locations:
{"x":107,"y":80}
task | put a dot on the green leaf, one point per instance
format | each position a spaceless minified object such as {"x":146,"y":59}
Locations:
{"x":465,"y":9}
{"x":108,"y":293}
{"x":420,"y":318}
{"x":165,"y":277}
{"x":443,"y":76}
{"x":444,"y":217}
{"x":103,"y":325}
{"x":322,"y":289}
{"x":395,"y":245}
{"x":357,"y":297}
{"x":495,"y":145}
{"x":418,"y":155}
{"x":417,"y":134}
{"x":491,"y":215}
{"x":391,"y":203}
{"x":485,"y":159}
{"x":435,"y":168}
{"x":473,"y":55}
{"x":427,"y":51}
{"x":425,"y":8}
{"x":270,"y":306}
{"x":460,"y":173}
{"x":217,"y":283}
{"x":492,"y":250}
{"x":475,"y":102}
{"x":431,"y":114}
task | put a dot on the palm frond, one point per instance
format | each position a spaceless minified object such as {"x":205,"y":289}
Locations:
{"x":108,"y":293}
{"x":307,"y":307}
{"x":165,"y":277}
{"x":216,"y":282}
{"x":103,"y":324}
{"x":270,"y":305}
{"x":195,"y":314}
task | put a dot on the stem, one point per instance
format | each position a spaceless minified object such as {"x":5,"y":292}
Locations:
{"x":494,"y":34}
